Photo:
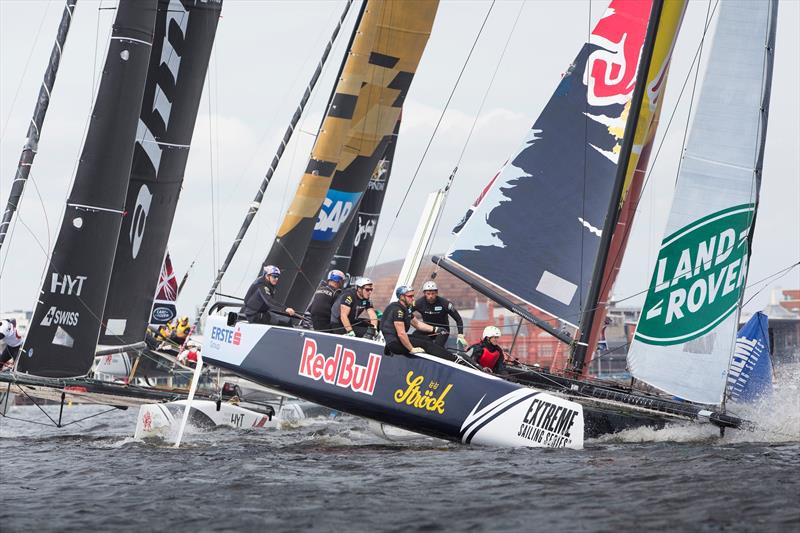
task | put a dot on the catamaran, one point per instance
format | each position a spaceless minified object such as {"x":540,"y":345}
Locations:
{"x":568,"y":270}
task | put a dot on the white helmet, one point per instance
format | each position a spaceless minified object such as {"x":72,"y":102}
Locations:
{"x":360,"y":282}
{"x":491,"y":331}
{"x":429,"y":286}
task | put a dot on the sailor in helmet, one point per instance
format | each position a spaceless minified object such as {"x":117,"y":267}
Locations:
{"x":436,"y":311}
{"x":488,"y":354}
{"x":260,"y":305}
{"x":348,"y":307}
{"x":398,"y":318}
{"x":320,"y":307}
{"x":10,"y":337}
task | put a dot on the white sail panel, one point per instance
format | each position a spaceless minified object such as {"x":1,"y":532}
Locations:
{"x":686,"y":334}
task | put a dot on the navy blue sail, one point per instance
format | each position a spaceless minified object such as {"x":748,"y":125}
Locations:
{"x":66,"y":321}
{"x":750,"y":371}
{"x":561,"y":179}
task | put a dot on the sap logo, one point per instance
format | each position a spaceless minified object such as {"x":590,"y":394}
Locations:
{"x":66,"y":284}
{"x":164,"y":314}
{"x":335,"y":211}
{"x":226,"y":335}
{"x":341,"y":369}
{"x":139,"y":219}
{"x":60,"y":318}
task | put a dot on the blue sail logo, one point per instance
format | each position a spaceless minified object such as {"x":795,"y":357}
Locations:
{"x":335,"y":211}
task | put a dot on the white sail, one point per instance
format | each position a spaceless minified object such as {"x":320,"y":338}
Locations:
{"x":422,"y":236}
{"x":685,"y":336}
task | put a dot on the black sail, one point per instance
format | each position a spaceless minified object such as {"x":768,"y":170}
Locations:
{"x":354,"y":135}
{"x":184,"y":37}
{"x":353,"y":252}
{"x":66,"y":322}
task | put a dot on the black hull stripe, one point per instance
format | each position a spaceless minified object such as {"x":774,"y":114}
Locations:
{"x":468,"y":438}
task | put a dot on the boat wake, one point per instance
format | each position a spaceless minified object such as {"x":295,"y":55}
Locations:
{"x":775,"y":418}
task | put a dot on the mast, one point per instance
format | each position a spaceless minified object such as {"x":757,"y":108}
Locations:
{"x":256,"y":203}
{"x":37,"y":121}
{"x":581,"y":343}
{"x":66,"y":322}
{"x":184,"y":37}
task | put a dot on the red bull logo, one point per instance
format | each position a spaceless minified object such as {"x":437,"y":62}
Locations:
{"x":611,"y":69}
{"x":341,"y":369}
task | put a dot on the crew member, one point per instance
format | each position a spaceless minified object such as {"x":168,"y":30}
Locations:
{"x":349,"y":305}
{"x":435,"y":311}
{"x":182,"y":329}
{"x":12,"y":339}
{"x":487,"y":353}
{"x":397,"y":318}
{"x":260,"y":305}
{"x":321,"y":302}
{"x":347,"y":308}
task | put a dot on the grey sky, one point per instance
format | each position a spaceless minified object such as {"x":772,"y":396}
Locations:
{"x":265,"y":53}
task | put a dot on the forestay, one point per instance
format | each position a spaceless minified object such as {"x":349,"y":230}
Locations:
{"x":685,"y":336}
{"x":561,"y":180}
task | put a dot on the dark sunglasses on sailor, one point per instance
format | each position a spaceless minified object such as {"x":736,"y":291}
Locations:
{"x":367,"y":289}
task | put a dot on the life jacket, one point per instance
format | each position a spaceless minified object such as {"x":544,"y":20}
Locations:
{"x":489,"y":358}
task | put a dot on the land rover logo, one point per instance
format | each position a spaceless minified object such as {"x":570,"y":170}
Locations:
{"x":698,"y":278}
{"x":163,"y":313}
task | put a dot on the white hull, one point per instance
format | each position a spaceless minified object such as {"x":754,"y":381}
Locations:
{"x":161,"y":420}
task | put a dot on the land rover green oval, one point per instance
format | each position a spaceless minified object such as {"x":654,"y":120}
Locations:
{"x":698,"y":277}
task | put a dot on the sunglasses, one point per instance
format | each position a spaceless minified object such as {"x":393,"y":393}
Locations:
{"x":408,"y":295}
{"x":276,"y":276}
{"x":367,"y":289}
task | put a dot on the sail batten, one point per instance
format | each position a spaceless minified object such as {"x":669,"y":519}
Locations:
{"x":686,"y":334}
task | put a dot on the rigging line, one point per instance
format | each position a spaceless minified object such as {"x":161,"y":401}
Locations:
{"x":652,"y":167}
{"x":581,"y":301}
{"x":256,"y":203}
{"x":491,"y":82}
{"x":290,"y":170}
{"x":709,"y":14}
{"x":211,"y":94}
{"x":778,"y":274}
{"x":435,"y":129}
{"x":19,"y":216}
{"x":469,"y":135}
{"x":24,"y":73}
